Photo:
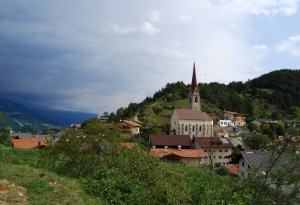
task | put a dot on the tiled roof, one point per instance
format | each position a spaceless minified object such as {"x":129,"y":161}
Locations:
{"x":170,"y":140}
{"x":28,"y":143}
{"x":184,"y":153}
{"x":213,"y":142}
{"x":233,"y":113}
{"x":189,"y":114}
{"x":234,"y":169}
{"x":132,"y":123}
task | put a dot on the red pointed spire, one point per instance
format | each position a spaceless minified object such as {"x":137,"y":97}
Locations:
{"x":194,"y":80}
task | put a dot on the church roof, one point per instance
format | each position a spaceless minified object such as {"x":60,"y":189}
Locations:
{"x":189,"y":114}
{"x":194,"y":80}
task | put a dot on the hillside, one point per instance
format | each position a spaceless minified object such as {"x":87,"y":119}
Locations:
{"x":270,"y":96}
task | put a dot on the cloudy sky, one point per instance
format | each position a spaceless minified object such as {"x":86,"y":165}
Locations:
{"x":99,"y":55}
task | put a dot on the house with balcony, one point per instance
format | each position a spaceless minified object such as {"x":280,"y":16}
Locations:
{"x":232,"y":119}
{"x":129,"y":128}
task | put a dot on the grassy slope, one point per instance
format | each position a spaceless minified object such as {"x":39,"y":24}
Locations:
{"x":28,"y":185}
{"x":165,"y":108}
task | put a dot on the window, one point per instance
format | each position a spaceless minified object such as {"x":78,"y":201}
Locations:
{"x":200,"y":128}
{"x":193,"y":128}
{"x":205,"y":150}
{"x":186,"y":128}
{"x":214,"y":156}
{"x":220,"y":157}
{"x":243,"y":163}
{"x":196,"y":99}
{"x":220,"y":150}
{"x":226,"y":150}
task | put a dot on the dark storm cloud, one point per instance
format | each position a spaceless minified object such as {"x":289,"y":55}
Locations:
{"x":99,"y":55}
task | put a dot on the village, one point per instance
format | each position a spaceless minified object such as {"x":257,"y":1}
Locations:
{"x":195,"y":139}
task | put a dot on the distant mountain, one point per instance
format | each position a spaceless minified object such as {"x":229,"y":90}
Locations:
{"x":64,"y":118}
{"x":22,"y":118}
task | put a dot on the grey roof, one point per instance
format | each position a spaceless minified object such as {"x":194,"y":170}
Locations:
{"x":21,"y":135}
{"x":261,"y":161}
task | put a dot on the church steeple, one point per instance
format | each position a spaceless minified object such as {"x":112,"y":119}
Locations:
{"x":194,"y":95}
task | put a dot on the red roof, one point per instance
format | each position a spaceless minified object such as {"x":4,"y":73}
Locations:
{"x":170,"y":140}
{"x":234,"y":169}
{"x":131,"y":123}
{"x":184,"y":153}
{"x":189,"y":114}
{"x":233,"y":113}
{"x":28,"y":143}
{"x":213,"y":142}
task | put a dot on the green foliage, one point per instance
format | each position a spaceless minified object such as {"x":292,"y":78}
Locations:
{"x":208,"y":188}
{"x":80,"y":152}
{"x":38,"y":186}
{"x":258,"y":142}
{"x":4,"y":137}
{"x":134,"y":177}
{"x":221,"y":170}
{"x":30,"y":157}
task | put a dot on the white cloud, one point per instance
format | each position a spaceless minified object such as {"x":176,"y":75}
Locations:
{"x":290,"y":45}
{"x":153,"y":15}
{"x":185,"y":18}
{"x":121,"y":30}
{"x":148,"y":28}
{"x":261,"y":47}
{"x":260,"y":7}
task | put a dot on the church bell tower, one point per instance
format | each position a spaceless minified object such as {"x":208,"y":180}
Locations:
{"x":194,"y":94}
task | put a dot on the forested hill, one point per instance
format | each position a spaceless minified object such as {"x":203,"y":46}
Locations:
{"x":271,"y":95}
{"x":285,"y":85}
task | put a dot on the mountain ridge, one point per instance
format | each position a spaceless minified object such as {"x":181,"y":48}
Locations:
{"x":22,"y":118}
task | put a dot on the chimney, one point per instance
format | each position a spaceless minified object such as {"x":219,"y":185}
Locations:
{"x":179,"y":147}
{"x":166,"y":148}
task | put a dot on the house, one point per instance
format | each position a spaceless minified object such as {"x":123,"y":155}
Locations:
{"x":259,"y":162}
{"x":77,"y":126}
{"x":129,"y":128}
{"x":221,"y":132}
{"x":192,"y":121}
{"x":170,"y":141}
{"x":237,"y":119}
{"x":28,"y":143}
{"x":216,"y":149}
{"x":103,"y":118}
{"x":225,"y":123}
{"x":188,"y":157}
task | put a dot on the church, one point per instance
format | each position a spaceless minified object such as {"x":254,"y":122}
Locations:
{"x":192,"y":121}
